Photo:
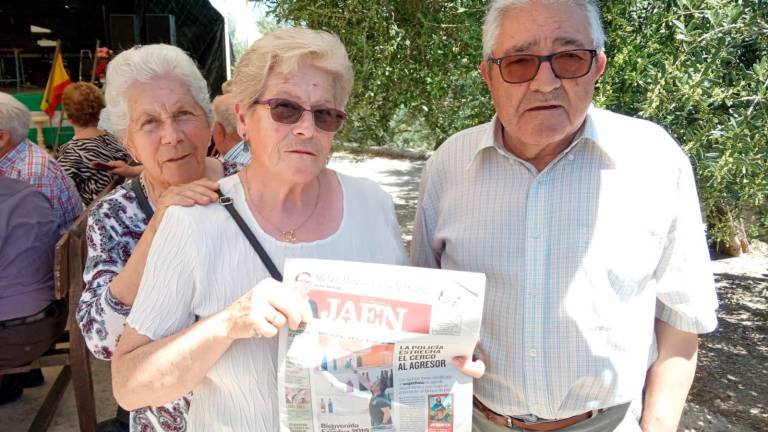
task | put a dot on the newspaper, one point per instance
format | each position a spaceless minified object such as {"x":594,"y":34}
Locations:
{"x":378,"y":354}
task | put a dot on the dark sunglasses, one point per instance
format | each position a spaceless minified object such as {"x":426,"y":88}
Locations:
{"x":520,"y":68}
{"x":287,"y":111}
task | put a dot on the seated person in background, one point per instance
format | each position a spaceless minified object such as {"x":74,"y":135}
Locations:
{"x":93,"y":155}
{"x":241,"y":151}
{"x":30,"y":318}
{"x":158,"y":106}
{"x":23,"y":160}
{"x":225,"y":137}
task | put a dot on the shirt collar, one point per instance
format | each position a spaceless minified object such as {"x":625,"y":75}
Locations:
{"x":12,"y":156}
{"x":493,"y":137}
{"x":237,"y":148}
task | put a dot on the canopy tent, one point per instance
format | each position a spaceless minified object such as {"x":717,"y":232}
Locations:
{"x":78,"y":24}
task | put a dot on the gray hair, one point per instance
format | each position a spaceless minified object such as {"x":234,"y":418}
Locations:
{"x":142,"y":64}
{"x":498,"y":8}
{"x":285,"y":51}
{"x":14,"y":117}
{"x":224,"y":112}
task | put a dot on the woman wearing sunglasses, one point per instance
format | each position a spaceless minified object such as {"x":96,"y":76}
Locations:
{"x":207,"y":309}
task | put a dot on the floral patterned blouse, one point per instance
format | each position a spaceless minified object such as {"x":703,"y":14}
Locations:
{"x":115,"y":225}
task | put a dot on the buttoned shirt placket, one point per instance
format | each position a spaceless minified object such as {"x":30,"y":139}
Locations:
{"x":535,"y":275}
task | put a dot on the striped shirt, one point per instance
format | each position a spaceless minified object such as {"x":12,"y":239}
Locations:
{"x":75,"y":158}
{"x":580,"y":258}
{"x":27,"y":162}
{"x":240,"y":153}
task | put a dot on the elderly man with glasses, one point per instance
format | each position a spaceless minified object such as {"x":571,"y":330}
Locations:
{"x":588,"y":227}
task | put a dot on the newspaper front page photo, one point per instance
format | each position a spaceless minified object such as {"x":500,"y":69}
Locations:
{"x":378,"y":354}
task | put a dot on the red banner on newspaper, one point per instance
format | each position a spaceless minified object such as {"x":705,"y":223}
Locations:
{"x":392,"y":314}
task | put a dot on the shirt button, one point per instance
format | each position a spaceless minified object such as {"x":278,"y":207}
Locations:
{"x":532,"y":352}
{"x":570,"y":157}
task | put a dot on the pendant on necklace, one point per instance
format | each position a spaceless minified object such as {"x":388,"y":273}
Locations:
{"x":289,"y":236}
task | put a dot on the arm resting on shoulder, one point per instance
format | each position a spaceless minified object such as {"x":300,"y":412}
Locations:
{"x":669,"y":378}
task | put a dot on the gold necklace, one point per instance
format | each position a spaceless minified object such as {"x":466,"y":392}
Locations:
{"x":288,"y":236}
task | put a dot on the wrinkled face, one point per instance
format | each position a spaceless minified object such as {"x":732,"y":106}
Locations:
{"x":168,"y":131}
{"x":546,"y":110}
{"x":296,"y":152}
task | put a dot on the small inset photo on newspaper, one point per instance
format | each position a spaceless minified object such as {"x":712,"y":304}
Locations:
{"x":440,"y":412}
{"x":358,"y":383}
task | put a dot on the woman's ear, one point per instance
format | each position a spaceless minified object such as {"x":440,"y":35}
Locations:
{"x":240,"y":114}
{"x":130,"y":148}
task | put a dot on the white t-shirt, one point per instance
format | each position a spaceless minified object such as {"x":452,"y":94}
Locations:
{"x":200,"y":263}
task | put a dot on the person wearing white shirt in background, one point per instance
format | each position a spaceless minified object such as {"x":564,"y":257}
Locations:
{"x":588,"y":226}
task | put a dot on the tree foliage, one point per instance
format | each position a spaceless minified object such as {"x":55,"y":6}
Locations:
{"x":698,"y":67}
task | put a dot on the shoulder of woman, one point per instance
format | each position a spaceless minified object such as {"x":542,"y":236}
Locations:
{"x":109,"y":138}
{"x":118,"y":207}
{"x":67,"y":152}
{"x":200,"y":218}
{"x":115,"y":225}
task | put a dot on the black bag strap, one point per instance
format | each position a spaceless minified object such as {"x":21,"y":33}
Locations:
{"x":142,"y":199}
{"x":265,"y":259}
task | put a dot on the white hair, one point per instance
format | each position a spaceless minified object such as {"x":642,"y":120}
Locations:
{"x":224,"y":112}
{"x":142,"y":64}
{"x":498,"y":8}
{"x":14,"y":117}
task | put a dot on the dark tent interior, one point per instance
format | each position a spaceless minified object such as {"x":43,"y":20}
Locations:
{"x":193,"y":25}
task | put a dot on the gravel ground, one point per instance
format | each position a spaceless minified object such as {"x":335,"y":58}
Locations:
{"x":730,"y":392}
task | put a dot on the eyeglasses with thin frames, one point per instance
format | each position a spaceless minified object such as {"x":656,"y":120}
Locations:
{"x":287,"y":111}
{"x":570,"y":64}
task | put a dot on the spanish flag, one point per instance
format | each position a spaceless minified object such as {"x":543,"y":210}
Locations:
{"x":58,"y":80}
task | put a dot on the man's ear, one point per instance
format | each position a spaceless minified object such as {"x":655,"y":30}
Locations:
{"x":5,"y":139}
{"x":218,"y":133}
{"x":485,"y":71}
{"x":602,"y":61}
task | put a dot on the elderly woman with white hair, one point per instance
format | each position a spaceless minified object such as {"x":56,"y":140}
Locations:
{"x":207,"y":310}
{"x":158,"y":105}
